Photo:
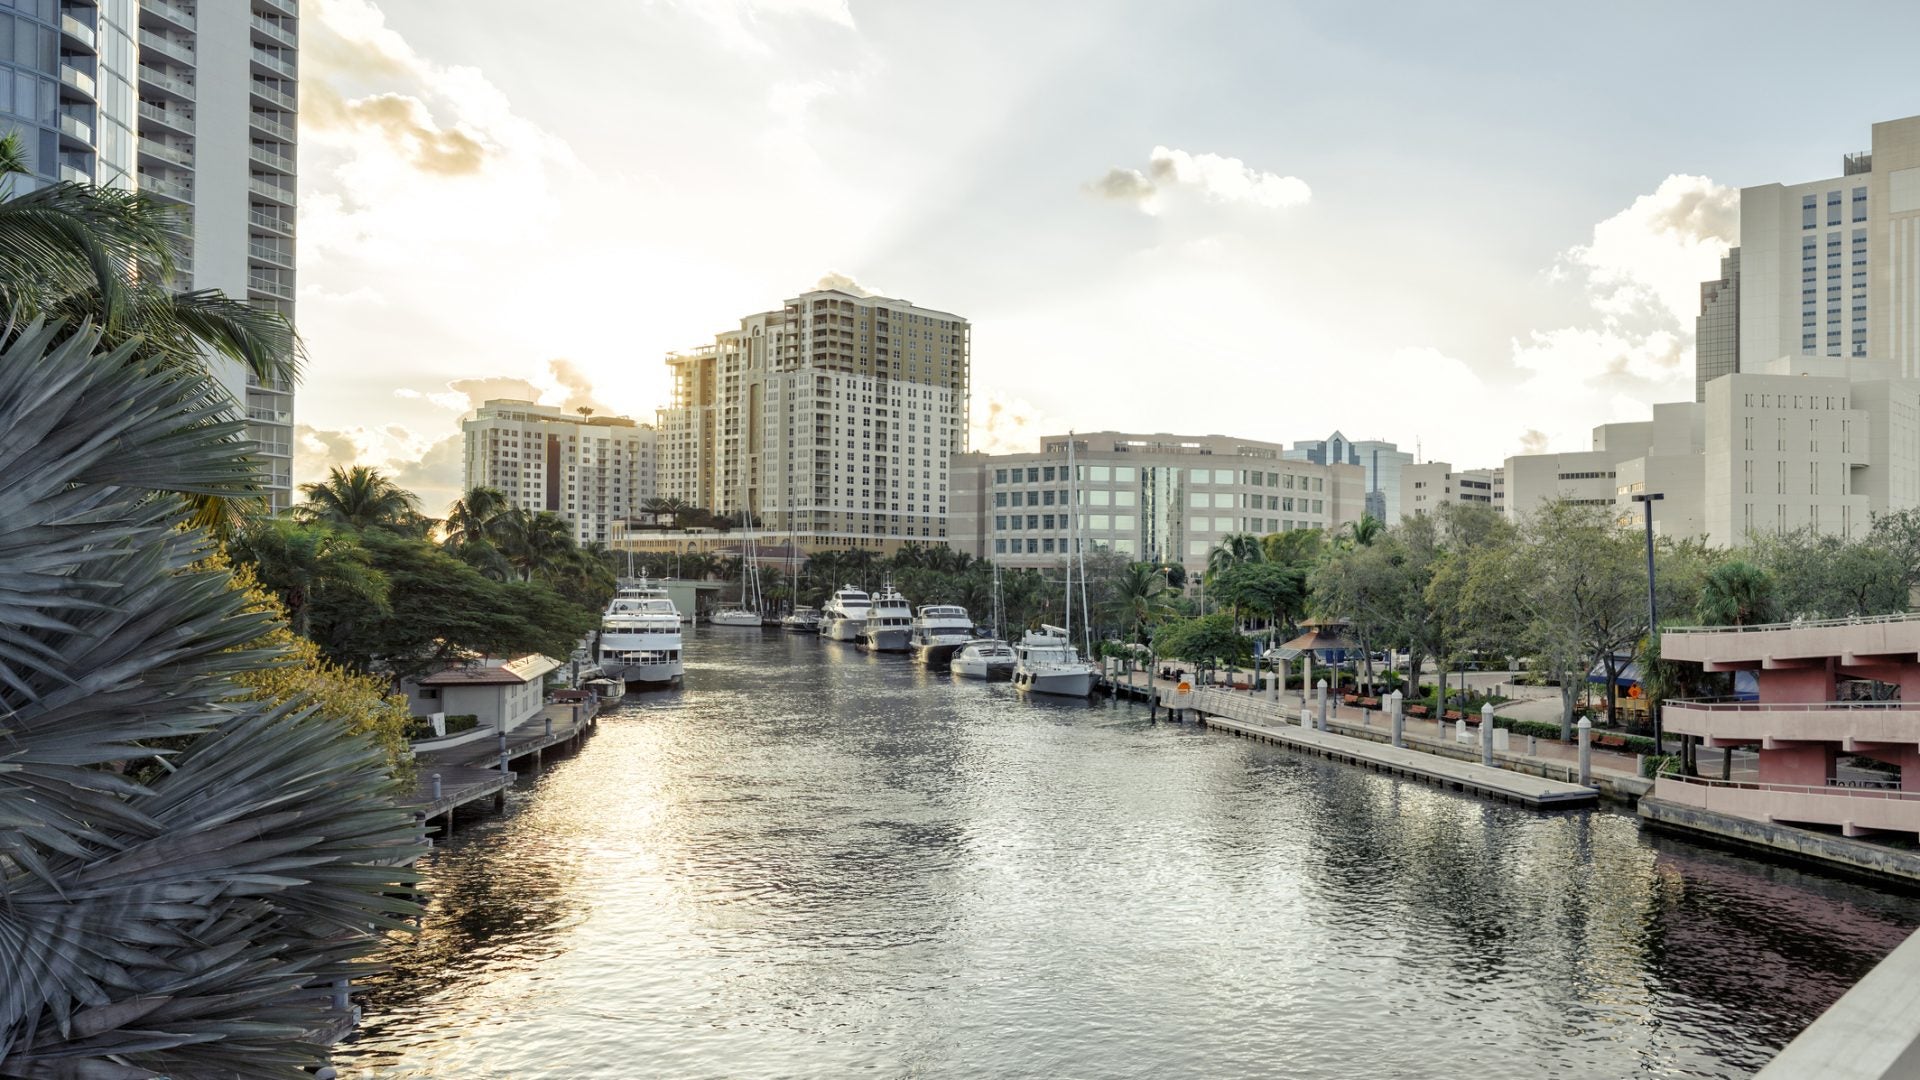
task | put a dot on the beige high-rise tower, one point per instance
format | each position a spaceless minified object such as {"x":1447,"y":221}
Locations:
{"x":832,"y":419}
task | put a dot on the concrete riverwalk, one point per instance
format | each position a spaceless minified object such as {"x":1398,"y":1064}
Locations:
{"x":1243,"y":714}
{"x":456,"y":776}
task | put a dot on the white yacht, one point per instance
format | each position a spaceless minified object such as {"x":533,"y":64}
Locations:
{"x":889,"y":621}
{"x":734,"y":615}
{"x":1049,"y":664}
{"x":640,"y":636}
{"x":939,"y":630}
{"x":846,"y":615}
{"x":983,"y":658}
{"x":805,"y":619}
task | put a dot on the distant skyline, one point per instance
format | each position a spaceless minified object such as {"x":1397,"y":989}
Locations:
{"x":1478,"y":229}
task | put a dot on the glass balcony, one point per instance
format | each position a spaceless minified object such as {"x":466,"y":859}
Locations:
{"x":278,"y":162}
{"x":178,"y":119}
{"x":77,"y":32}
{"x":76,"y":80}
{"x":167,"y":13}
{"x":269,"y":190}
{"x":274,"y":65}
{"x":272,"y":96}
{"x":155,"y":79}
{"x":177,"y":51}
{"x":266,"y":123}
{"x":274,"y":31}
{"x":161,"y":151}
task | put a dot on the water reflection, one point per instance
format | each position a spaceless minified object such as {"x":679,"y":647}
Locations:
{"x":815,"y":861}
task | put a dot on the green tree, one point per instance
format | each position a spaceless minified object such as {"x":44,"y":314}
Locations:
{"x":1211,"y":641}
{"x":1819,"y":576}
{"x":174,"y":920}
{"x":299,"y":562}
{"x":536,"y":544}
{"x":1138,"y":600}
{"x":1269,"y":591}
{"x":1584,"y":583}
{"x":475,"y":517}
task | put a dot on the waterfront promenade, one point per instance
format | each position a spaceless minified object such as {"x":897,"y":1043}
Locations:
{"x":455,"y":776}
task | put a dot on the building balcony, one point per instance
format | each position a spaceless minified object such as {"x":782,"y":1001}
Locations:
{"x":270,"y":283}
{"x":265,"y":63}
{"x":179,"y":52}
{"x":277,"y":162}
{"x":165,"y":85}
{"x":274,"y":97}
{"x":265,"y":123}
{"x":269,"y":416}
{"x":72,"y":175}
{"x":1853,"y":810}
{"x":155,"y":184}
{"x":270,"y":253}
{"x":1771,"y":645}
{"x":76,"y":34}
{"x":273,"y":223}
{"x":276,"y":32}
{"x":73,"y":81}
{"x":179,"y":121}
{"x":154,"y":150}
{"x":168,"y":14}
{"x":266,"y":189}
{"x":289,"y":8}
{"x":1852,"y":724}
{"x":75,"y":133}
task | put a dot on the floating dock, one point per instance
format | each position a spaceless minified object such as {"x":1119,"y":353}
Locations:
{"x":1261,"y":720}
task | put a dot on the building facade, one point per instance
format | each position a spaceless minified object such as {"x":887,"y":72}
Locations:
{"x":1381,"y":462}
{"x":1716,"y":333}
{"x":1425,"y":486}
{"x":192,"y":103}
{"x":593,"y":471}
{"x":1152,"y":497}
{"x":833,"y":420}
{"x":1831,"y":268}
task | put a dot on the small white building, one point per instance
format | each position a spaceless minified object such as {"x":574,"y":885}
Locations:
{"x":502,"y":694}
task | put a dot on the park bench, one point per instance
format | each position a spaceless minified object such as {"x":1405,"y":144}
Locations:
{"x":1350,"y":699}
{"x":1370,"y":703}
{"x":1418,"y":710}
{"x":1611,"y":742}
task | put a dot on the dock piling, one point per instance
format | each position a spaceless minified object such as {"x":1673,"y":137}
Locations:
{"x":1586,"y":751}
{"x":436,"y":787}
{"x":1486,"y":735}
{"x":1322,"y":690}
{"x":1399,"y":721}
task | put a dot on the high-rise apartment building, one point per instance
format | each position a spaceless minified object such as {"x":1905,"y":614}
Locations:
{"x":590,"y":470}
{"x":1162,"y":498}
{"x":194,"y":103}
{"x":832,"y":419}
{"x":1831,"y":268}
{"x":1382,"y":462}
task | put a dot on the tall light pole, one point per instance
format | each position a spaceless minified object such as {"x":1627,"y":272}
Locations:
{"x":1647,"y":499}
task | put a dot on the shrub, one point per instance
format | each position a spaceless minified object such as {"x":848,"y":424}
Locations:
{"x":421,"y":727}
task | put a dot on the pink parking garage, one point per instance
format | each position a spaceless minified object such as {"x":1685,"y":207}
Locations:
{"x":1813,"y":707}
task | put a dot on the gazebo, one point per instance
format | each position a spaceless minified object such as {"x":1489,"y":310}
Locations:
{"x":1322,"y":636}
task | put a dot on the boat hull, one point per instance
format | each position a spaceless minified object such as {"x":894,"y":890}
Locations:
{"x":937,"y":653}
{"x":727,"y":618}
{"x":843,"y":629}
{"x":655,"y":674}
{"x":1059,"y":684}
{"x":888,"y":640}
{"x":990,"y":670}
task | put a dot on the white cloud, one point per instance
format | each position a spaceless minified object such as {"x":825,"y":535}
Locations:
{"x":1009,"y":425}
{"x":743,"y":25}
{"x":1212,"y":178}
{"x":1654,"y":254}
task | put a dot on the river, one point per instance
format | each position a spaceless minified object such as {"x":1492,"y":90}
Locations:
{"x":816,"y":862}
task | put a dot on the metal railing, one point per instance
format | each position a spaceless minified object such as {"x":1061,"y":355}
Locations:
{"x":272,"y":127}
{"x":171,"y":117}
{"x":284,"y":100}
{"x":275,"y":64}
{"x":269,"y":221}
{"x":168,"y":12}
{"x":271,"y":159}
{"x":1802,"y":624}
{"x":1830,"y":788}
{"x":273,"y":30}
{"x":1716,"y":705}
{"x":271,"y":191}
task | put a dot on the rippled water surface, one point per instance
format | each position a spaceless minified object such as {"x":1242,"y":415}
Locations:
{"x":813,"y":862}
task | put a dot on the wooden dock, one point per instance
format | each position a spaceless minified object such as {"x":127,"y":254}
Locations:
{"x":1257,"y":719}
{"x":483,"y":768}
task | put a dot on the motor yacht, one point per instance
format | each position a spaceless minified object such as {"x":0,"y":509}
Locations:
{"x":938,"y":631}
{"x":889,"y":621}
{"x":983,"y":658}
{"x":845,"y":615}
{"x":640,"y":636}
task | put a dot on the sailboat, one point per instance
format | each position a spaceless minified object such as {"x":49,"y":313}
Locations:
{"x":1048,"y":662}
{"x":989,"y":657}
{"x":747,"y":611}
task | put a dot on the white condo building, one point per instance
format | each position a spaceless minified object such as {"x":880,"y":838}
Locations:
{"x":1425,"y":486}
{"x":590,"y":470}
{"x":1155,"y":497}
{"x":195,"y":102}
{"x":832,"y":420}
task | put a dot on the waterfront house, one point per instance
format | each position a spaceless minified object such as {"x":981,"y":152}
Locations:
{"x":502,"y":693}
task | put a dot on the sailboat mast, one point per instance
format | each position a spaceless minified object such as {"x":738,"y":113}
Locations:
{"x":1073,"y":490}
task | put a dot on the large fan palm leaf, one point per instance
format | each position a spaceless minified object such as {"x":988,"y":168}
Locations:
{"x":179,"y":918}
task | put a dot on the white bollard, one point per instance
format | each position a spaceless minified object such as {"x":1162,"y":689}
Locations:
{"x":1399,"y":721}
{"x":1533,"y":746}
{"x":1585,"y":727}
{"x":1486,"y":734}
{"x":1322,"y":691}
{"x":1306,"y":717}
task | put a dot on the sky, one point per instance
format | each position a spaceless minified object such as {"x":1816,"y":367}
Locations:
{"x":1474,"y":229}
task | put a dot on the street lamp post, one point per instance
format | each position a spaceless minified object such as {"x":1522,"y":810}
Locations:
{"x":1647,"y":499}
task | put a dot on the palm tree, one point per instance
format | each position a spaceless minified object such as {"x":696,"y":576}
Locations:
{"x":1139,"y":599}
{"x":360,"y":498}
{"x":474,"y":516}
{"x":1365,"y":531}
{"x":80,"y":254}
{"x":1735,"y":593}
{"x":535,"y":544}
{"x":178,"y":920}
